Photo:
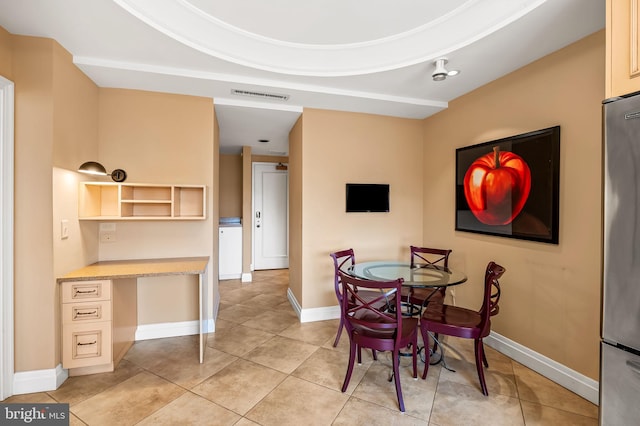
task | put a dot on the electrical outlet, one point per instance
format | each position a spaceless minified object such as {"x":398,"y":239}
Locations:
{"x":64,"y":229}
{"x":107,"y":237}
{"x":107,"y":232}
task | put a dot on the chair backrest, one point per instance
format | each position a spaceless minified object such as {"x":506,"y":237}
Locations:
{"x":373,"y":314}
{"x":425,"y":256}
{"x":341,"y":261}
{"x":491,"y":292}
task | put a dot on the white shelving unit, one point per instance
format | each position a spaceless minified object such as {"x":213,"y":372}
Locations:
{"x":136,"y":201}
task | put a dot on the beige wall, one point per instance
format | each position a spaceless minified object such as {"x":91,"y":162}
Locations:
{"x":34,"y":285}
{"x":551,"y":293}
{"x":230,"y":185}
{"x":160,"y":138}
{"x":340,"y":147}
{"x":55,"y":121}
{"x":6,"y":54}
{"x":295,"y":210}
{"x":75,"y":135}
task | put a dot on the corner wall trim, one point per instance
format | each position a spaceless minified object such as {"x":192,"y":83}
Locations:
{"x":294,"y":303}
{"x":39,"y":380}
{"x":211,"y":326}
{"x":246,"y":277}
{"x":552,"y":370}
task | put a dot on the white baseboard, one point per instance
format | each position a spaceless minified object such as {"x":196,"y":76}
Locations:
{"x":51,"y":379}
{"x":320,"y":314}
{"x":39,"y":380}
{"x":229,"y":277}
{"x":246,"y":277}
{"x":166,"y":329}
{"x":552,"y":370}
{"x":313,"y":314}
{"x":294,"y":303}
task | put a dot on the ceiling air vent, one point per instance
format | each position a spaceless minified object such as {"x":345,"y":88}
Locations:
{"x":261,"y":95}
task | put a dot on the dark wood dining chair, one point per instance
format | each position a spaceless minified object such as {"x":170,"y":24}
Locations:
{"x":466,"y":323}
{"x":369,"y":326}
{"x":342,"y":260}
{"x":422,"y":257}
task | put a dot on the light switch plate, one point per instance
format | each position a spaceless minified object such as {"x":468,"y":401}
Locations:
{"x":64,"y":229}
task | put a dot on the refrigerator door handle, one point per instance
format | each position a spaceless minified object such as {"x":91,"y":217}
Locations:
{"x":634,"y":366}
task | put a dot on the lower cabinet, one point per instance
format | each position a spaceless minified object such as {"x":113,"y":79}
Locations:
{"x":230,"y":250}
{"x":87,"y":325}
{"x":87,"y":344}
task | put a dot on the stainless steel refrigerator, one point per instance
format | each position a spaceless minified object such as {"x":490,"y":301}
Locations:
{"x":620,"y":346}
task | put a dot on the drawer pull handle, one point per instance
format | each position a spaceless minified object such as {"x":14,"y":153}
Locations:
{"x":94,"y":312}
{"x":87,"y":291}
{"x":87,"y":344}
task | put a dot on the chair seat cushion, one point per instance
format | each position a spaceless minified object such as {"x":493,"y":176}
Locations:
{"x":454,"y":321}
{"x":419,"y":295}
{"x":409,"y":325}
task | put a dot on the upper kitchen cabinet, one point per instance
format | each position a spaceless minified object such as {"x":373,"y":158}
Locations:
{"x":623,"y":47}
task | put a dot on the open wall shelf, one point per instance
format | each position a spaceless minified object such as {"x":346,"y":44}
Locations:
{"x":136,"y":201}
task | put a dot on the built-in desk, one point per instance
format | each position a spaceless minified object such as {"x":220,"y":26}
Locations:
{"x":99,"y":309}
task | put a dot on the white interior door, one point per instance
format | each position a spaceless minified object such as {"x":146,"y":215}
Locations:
{"x":270,"y":217}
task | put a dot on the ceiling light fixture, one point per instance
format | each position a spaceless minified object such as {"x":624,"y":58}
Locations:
{"x":440,"y":73}
{"x":97,"y":169}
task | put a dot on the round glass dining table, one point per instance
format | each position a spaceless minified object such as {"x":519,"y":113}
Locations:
{"x":430,"y":276}
{"x":426,"y":276}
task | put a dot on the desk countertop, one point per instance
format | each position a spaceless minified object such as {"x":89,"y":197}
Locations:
{"x":117,"y":269}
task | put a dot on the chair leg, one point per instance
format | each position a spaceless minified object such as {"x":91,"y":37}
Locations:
{"x":335,"y":343}
{"x":396,"y":378}
{"x":479,"y":357}
{"x":415,"y":357}
{"x":375,"y":354}
{"x":484,"y":357}
{"x":427,"y":351}
{"x":352,"y":357}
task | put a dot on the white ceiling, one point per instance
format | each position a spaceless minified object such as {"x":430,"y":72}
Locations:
{"x":371,"y":56}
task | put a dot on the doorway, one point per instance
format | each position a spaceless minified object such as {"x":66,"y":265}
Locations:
{"x":270,"y":216}
{"x":6,"y":247}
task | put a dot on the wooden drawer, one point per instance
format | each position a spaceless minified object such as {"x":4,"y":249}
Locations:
{"x":86,"y":291}
{"x":86,"y":344}
{"x":74,"y":313}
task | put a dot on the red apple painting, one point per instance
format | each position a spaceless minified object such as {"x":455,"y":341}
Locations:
{"x":496,"y":187}
{"x":510,"y":187}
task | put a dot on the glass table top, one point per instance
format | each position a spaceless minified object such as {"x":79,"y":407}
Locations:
{"x":429,"y":276}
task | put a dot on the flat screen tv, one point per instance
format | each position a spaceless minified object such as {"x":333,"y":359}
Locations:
{"x":367,"y":197}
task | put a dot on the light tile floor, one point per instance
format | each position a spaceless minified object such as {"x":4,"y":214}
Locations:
{"x":262,"y":366}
